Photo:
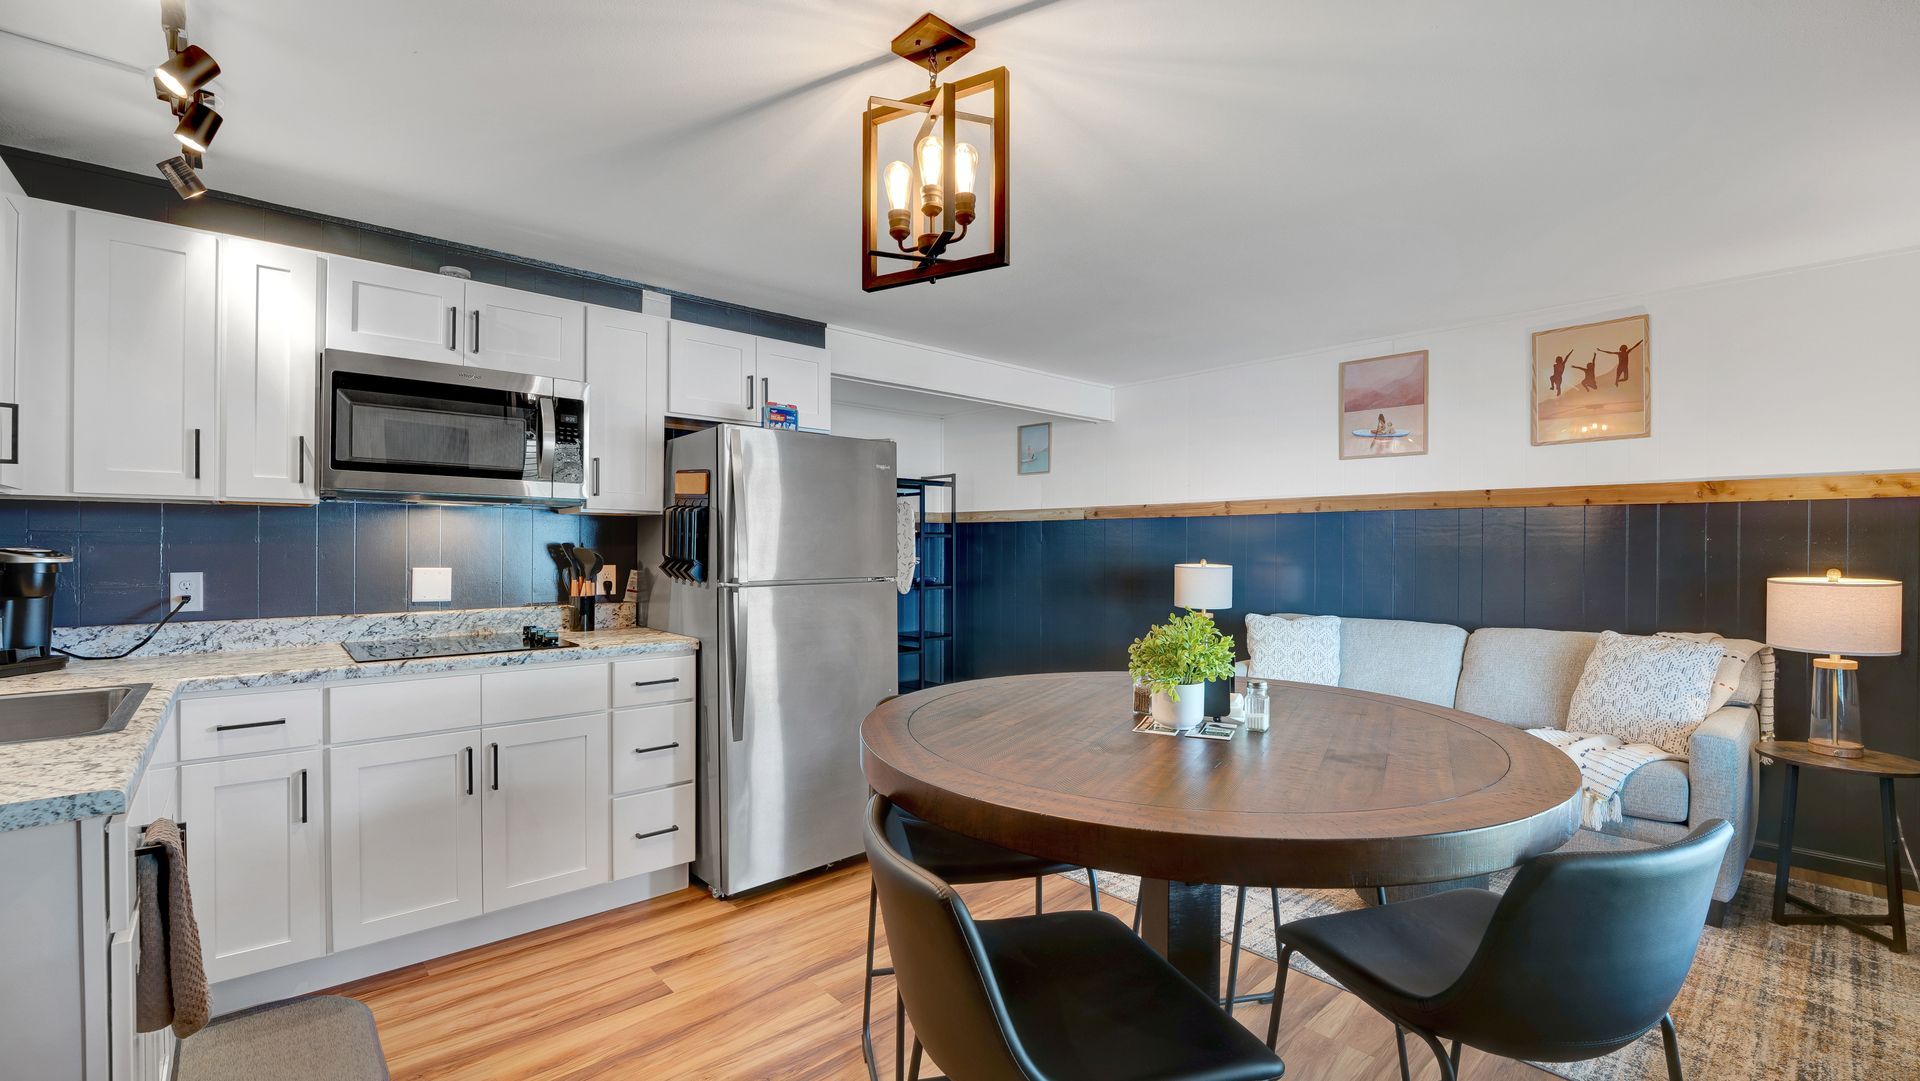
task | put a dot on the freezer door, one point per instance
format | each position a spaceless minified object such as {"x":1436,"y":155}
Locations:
{"x":805,"y":507}
{"x":800,"y":667}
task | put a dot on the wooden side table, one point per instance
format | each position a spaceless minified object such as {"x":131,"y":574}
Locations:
{"x":1886,"y":767}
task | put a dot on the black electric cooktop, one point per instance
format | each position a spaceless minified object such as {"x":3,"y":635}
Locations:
{"x":458,"y":645}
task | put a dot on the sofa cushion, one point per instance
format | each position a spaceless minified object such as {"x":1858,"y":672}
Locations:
{"x":1304,"y":649}
{"x":1645,"y":689}
{"x":1420,"y":661}
{"x":1521,"y":676}
{"x":1658,"y":791}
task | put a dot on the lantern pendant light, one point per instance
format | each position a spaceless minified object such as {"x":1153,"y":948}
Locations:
{"x":924,"y":180}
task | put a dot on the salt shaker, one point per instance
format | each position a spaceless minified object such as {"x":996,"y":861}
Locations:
{"x":1257,"y":706}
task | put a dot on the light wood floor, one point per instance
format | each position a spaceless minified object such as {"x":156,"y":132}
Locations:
{"x":685,"y":986}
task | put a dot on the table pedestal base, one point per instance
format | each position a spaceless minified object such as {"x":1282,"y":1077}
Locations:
{"x":1181,"y":921}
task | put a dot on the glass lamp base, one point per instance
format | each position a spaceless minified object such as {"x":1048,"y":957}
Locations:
{"x":1833,"y":726}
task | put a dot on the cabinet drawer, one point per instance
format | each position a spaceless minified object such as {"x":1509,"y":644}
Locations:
{"x":525,"y":694}
{"x":644,"y":681}
{"x":247,"y":723}
{"x":652,"y":746}
{"x":407,"y":708}
{"x":652,"y":830}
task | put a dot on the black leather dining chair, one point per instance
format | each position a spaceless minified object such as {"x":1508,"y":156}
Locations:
{"x":959,"y":860}
{"x":1046,"y":997}
{"x":1583,"y":954}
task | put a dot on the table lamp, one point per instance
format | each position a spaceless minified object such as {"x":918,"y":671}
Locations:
{"x":1203,"y":586}
{"x":1835,"y":615}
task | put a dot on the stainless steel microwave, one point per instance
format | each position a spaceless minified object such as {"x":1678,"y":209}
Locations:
{"x":393,"y":428}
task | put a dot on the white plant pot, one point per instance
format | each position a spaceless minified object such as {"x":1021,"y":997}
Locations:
{"x":1186,"y":713}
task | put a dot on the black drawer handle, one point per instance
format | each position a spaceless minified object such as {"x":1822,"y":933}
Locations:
{"x":662,"y":747}
{"x":249,"y":724}
{"x":656,"y":682}
{"x":656,"y":833}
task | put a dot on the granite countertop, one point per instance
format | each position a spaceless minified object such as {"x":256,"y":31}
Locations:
{"x":69,"y":779}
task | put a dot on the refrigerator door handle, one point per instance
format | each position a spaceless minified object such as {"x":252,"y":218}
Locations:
{"x":734,"y":633}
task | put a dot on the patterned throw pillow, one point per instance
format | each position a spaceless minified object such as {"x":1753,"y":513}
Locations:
{"x":1305,"y":649}
{"x":1645,"y":690}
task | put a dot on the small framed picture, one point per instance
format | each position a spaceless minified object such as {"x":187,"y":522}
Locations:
{"x":1383,"y":406}
{"x":1591,"y":382}
{"x":1033,"y":449}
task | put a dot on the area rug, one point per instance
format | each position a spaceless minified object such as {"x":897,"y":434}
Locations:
{"x":1763,"y":1001}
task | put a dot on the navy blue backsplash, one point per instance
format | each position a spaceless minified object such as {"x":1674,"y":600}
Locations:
{"x":333,"y":559}
{"x":1062,"y":596}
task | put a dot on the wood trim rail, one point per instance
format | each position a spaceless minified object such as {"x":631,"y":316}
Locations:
{"x":1759,"y":489}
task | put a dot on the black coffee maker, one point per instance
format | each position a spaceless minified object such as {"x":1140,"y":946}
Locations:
{"x":27,"y":579}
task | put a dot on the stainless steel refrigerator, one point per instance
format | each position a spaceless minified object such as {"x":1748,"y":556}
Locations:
{"x":779,"y":557}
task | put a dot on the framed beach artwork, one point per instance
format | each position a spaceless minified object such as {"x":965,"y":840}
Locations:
{"x":1033,"y":449}
{"x":1383,"y":406}
{"x":1592,"y":382}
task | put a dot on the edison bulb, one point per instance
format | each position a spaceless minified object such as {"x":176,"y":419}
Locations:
{"x":966,"y":163}
{"x":899,"y":179}
{"x":930,"y":155}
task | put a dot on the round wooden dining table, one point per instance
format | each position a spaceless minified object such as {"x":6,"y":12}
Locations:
{"x":1347,"y":789}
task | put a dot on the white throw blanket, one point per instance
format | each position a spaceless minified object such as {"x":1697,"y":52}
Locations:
{"x":1605,"y":764}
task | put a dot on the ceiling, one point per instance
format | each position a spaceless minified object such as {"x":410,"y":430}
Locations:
{"x":1194,"y":184}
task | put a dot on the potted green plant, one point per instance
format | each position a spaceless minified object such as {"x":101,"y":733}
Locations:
{"x":1177,"y":659}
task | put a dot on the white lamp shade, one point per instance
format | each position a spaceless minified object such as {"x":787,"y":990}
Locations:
{"x":1853,"y":617}
{"x":1203,"y":585}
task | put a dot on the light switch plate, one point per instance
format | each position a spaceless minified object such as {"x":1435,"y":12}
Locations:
{"x":432,"y":584}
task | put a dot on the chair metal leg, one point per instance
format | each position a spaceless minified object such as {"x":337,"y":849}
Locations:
{"x":1233,"y":956}
{"x":1400,"y":1038}
{"x":1670,"y":1039}
{"x":1039,"y":895}
{"x":1136,"y":913}
{"x":913,"y":1071}
{"x":1279,"y":998}
{"x":900,"y":1037}
{"x":866,"y":1004}
{"x":1447,"y":1071}
{"x":1454,"y":1055}
{"x":1093,"y":887}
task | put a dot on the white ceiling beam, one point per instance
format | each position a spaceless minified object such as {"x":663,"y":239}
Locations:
{"x":890,"y":362}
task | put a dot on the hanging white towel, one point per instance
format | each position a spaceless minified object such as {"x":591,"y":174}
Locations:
{"x":1605,"y":764}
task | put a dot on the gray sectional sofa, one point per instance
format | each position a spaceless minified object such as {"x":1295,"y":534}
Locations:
{"x":1525,"y":678}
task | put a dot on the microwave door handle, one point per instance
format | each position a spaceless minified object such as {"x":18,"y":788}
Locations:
{"x":549,"y":444}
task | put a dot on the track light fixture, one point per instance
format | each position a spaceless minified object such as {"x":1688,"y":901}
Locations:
{"x":198,"y":124}
{"x":180,"y":173}
{"x":186,"y":71}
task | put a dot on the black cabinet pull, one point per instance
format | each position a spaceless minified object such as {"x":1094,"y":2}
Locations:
{"x":476,"y":332}
{"x":303,"y":795}
{"x":13,"y":430}
{"x":655,"y":682}
{"x":300,"y":460}
{"x":662,"y":747}
{"x":749,"y":392}
{"x":656,"y":833}
{"x":249,"y":724}
{"x":496,"y":767}
{"x":453,"y":326}
{"x":196,"y":454}
{"x":469,"y":751}
{"x":596,"y":476}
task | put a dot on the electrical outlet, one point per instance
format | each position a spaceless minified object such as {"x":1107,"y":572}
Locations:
{"x":188,"y":584}
{"x":432,"y":584}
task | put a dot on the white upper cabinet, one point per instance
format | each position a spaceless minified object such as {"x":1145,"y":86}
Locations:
{"x":626,"y":407}
{"x":269,"y":315}
{"x":513,"y":331}
{"x":393,"y":311}
{"x":712,"y":374}
{"x":145,"y":374}
{"x":799,"y":376}
{"x":10,"y":210}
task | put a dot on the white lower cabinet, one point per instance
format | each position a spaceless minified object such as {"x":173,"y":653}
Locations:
{"x":652,"y":830}
{"x":406,"y":835}
{"x":255,"y":829}
{"x":546,"y":809}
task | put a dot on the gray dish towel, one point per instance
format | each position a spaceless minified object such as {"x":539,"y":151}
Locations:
{"x":172,"y":984}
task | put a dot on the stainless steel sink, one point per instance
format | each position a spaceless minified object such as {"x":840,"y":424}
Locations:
{"x":89,"y":711}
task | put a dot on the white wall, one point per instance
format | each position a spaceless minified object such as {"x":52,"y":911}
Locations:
{"x":1807,"y":371}
{"x":922,"y":439}
{"x":890,"y":362}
